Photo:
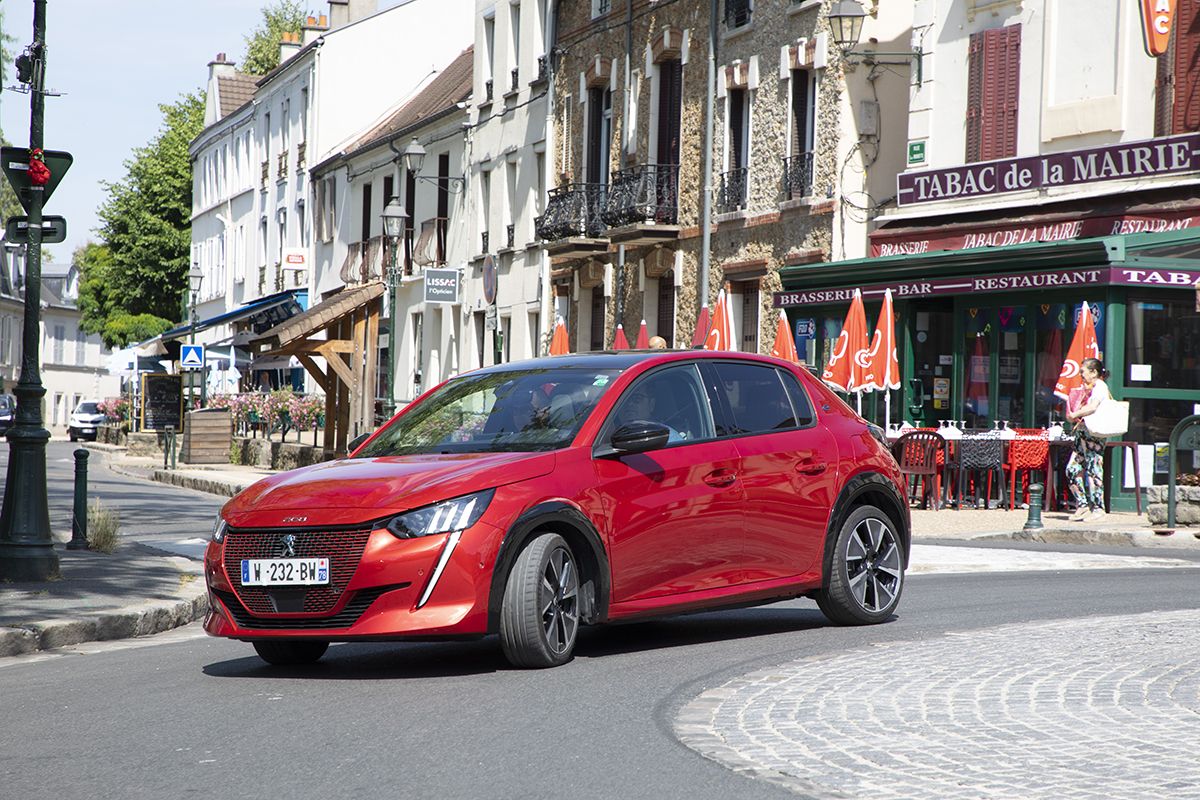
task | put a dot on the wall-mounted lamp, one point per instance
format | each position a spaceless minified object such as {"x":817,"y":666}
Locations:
{"x":846,"y":21}
{"x":413,"y":157}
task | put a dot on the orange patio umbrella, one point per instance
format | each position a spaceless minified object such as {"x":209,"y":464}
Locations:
{"x":720,"y":334}
{"x":619,"y":340}
{"x":883,"y":368}
{"x":785,"y":345}
{"x":558,"y":343}
{"x":701,"y":326}
{"x":643,"y":338}
{"x":846,"y":370}
{"x":1083,"y":346}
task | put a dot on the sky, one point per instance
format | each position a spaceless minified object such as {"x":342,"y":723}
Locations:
{"x":115,"y":61}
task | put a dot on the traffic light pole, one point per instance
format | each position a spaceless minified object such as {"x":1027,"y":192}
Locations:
{"x":26,"y":547}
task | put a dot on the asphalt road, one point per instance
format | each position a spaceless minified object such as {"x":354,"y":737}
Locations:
{"x":182,"y":715}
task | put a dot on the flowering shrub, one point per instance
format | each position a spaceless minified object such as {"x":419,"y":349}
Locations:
{"x":115,"y":409}
{"x":268,"y":409}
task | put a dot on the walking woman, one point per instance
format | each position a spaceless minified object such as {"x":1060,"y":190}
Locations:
{"x":1085,"y":470}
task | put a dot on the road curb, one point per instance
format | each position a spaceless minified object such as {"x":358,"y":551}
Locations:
{"x":208,"y":485}
{"x":130,"y":622}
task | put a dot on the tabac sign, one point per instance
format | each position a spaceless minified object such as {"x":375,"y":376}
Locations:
{"x":1145,"y":159}
{"x":1157,"y":18}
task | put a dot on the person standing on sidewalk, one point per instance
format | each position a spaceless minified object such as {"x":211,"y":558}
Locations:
{"x":1085,"y":470}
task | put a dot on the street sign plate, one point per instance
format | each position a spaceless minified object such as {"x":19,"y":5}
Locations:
{"x":54,"y":230}
{"x":15,"y":161}
{"x":191,"y":356}
{"x":491,"y":321}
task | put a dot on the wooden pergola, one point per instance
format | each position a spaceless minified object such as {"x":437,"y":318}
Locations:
{"x":343,"y":331}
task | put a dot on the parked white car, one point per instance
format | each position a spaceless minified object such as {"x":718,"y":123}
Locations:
{"x":85,"y":421}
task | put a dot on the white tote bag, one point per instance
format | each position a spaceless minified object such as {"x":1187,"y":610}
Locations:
{"x":1111,"y":418}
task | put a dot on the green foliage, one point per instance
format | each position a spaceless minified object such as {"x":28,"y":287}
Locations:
{"x":95,"y":265}
{"x":146,"y":226}
{"x":10,"y":206}
{"x":262,"y":46}
{"x":120,"y":328}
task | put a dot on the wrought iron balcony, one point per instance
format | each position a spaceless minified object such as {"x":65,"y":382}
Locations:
{"x":798,"y":176}
{"x":516,"y":79}
{"x":301,"y":152}
{"x":737,"y":13}
{"x":486,"y":241}
{"x":283,"y":165}
{"x":573,"y":210}
{"x":731,"y":195}
{"x":266,"y":173}
{"x":543,"y":69}
{"x":648,"y":193}
{"x":487,"y":91}
{"x":510,"y":235}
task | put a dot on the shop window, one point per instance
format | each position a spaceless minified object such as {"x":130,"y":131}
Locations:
{"x":1162,"y":342}
{"x":1150,"y":425}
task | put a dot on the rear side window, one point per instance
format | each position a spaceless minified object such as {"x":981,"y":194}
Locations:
{"x":757,"y":398}
{"x":799,"y":398}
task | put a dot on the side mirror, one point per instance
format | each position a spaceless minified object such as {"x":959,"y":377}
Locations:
{"x":356,"y":442}
{"x":639,"y":437}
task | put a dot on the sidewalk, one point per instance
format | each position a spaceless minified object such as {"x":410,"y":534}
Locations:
{"x":140,"y":590}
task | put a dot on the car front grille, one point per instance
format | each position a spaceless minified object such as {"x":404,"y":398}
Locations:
{"x":343,"y":548}
{"x":350,"y":614}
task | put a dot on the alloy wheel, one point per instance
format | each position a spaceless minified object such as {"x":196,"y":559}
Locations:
{"x":558,"y":598}
{"x":873,"y":564}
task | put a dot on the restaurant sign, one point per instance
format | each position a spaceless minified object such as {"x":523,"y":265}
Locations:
{"x":1009,"y":282}
{"x":884,"y":243}
{"x":1144,"y":159}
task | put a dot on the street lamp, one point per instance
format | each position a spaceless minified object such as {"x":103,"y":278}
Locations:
{"x":846,"y":21}
{"x":196,"y":279}
{"x":394,"y":217}
{"x":413,"y":158}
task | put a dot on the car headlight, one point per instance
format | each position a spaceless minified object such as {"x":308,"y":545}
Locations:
{"x":456,"y":514}
{"x":219,"y":529}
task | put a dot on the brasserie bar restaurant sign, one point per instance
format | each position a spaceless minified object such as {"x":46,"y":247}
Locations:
{"x":1163,"y":156}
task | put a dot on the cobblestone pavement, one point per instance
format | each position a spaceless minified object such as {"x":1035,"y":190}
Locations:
{"x":1100,"y":707}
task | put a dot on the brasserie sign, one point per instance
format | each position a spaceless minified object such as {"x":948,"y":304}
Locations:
{"x":1149,"y":158}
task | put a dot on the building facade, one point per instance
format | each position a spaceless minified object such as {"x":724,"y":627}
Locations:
{"x":1045,"y":170}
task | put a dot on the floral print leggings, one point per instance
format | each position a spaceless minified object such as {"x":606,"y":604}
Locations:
{"x":1085,"y":471}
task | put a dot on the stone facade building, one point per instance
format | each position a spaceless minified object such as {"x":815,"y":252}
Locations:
{"x":797,"y":172}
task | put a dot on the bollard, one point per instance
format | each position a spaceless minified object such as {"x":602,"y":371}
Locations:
{"x":167,"y":446}
{"x":1034,"y":521}
{"x":79,"y":522}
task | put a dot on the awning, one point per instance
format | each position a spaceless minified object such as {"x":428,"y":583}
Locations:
{"x":1156,"y":260}
{"x":318,"y":317}
{"x":262,"y":313}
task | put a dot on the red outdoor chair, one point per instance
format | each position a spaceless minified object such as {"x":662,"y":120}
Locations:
{"x":917,"y":453}
{"x":1029,"y":452}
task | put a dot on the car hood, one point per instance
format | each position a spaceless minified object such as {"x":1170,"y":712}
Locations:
{"x":354,"y":490}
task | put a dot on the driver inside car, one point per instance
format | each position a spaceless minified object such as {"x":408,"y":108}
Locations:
{"x":641,"y":406}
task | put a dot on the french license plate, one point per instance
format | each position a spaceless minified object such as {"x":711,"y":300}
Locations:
{"x":285,"y":571}
{"x":89,"y":430}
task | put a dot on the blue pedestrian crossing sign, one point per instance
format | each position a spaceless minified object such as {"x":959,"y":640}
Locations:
{"x":191,"y":356}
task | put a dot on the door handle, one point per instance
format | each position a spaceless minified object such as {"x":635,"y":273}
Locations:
{"x":810,"y":467}
{"x":720,"y":478}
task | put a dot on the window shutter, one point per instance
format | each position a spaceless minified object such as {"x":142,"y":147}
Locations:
{"x":1164,"y":81}
{"x":1185,"y":116}
{"x":800,"y":120}
{"x":1011,"y":84}
{"x":974,"y":96}
{"x":670,"y":101}
{"x":998,"y":92}
{"x":737,"y":113}
{"x":597,"y":332}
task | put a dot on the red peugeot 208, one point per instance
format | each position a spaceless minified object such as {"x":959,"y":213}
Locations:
{"x":531,"y":498}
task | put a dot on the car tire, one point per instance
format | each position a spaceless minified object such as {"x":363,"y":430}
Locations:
{"x":866,"y":575}
{"x":290,"y":654}
{"x":539,"y":616}
{"x":71,"y":436}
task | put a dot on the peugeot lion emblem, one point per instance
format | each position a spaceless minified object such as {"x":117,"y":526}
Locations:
{"x":288,"y":542}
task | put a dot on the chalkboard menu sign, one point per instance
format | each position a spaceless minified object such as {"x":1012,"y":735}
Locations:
{"x":162,"y":401}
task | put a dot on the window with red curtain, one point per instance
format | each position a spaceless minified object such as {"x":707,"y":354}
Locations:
{"x":993,"y":93}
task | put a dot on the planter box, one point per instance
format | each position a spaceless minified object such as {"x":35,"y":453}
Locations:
{"x":207,"y":436}
{"x":274,"y":455}
{"x":112,"y":434}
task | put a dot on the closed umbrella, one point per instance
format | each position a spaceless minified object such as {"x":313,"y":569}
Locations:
{"x":558,"y":343}
{"x":883,"y":368}
{"x":785,"y":345}
{"x":720,"y":334}
{"x":619,"y":340}
{"x":1083,"y":346}
{"x":643,"y":338}
{"x":701,"y":327}
{"x":846,"y":370}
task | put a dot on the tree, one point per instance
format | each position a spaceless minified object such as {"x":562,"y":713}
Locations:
{"x":10,"y":206}
{"x":146,"y":226}
{"x":262,"y":45}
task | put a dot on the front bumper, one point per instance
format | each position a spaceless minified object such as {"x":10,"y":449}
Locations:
{"x":376,"y":587}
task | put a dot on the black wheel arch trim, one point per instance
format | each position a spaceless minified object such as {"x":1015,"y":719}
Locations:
{"x":859,"y":485}
{"x":559,"y":517}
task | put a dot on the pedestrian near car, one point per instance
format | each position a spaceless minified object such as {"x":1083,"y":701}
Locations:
{"x":1085,"y":470}
{"x":657,"y":343}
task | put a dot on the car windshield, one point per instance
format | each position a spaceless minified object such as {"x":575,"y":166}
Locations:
{"x":518,"y":411}
{"x":87,"y":408}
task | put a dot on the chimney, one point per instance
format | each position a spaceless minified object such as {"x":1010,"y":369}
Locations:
{"x":313,"y":28}
{"x":289,"y":45}
{"x":343,"y":12}
{"x":219,"y":66}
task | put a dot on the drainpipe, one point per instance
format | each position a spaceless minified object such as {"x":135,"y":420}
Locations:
{"x":629,"y":134}
{"x":706,"y":201}
{"x":547,"y":305}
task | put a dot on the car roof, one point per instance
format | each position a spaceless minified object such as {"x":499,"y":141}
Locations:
{"x":618,"y":359}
